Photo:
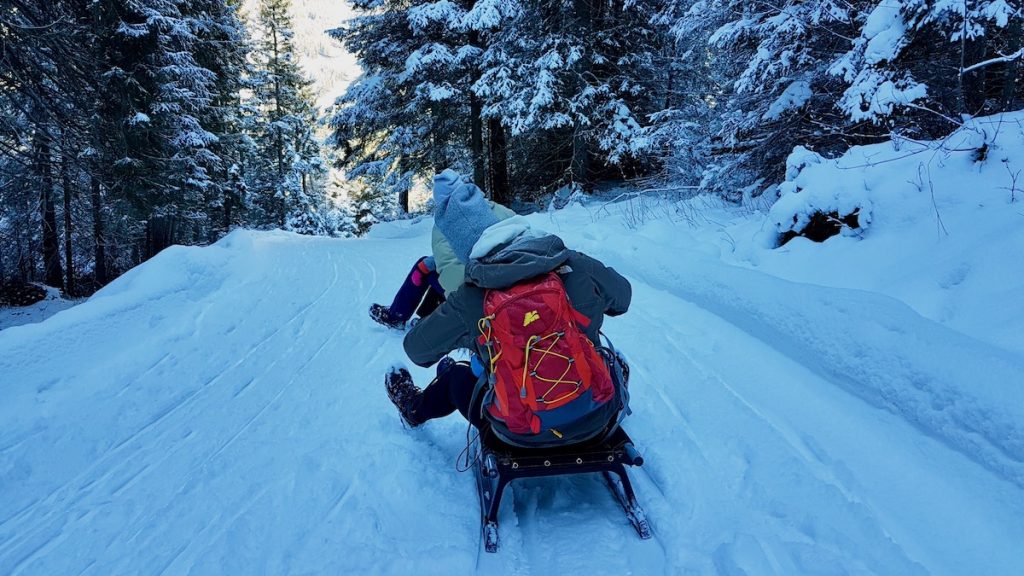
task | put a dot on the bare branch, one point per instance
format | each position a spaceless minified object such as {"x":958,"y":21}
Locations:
{"x":1010,"y":58}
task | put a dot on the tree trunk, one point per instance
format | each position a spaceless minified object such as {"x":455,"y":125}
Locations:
{"x":53,"y":273}
{"x":227,"y":213}
{"x":99,"y":243}
{"x":403,"y":200}
{"x":476,"y":141}
{"x":974,"y":82}
{"x":403,"y":193}
{"x":476,"y":127}
{"x":69,"y":267}
{"x":498,"y":162}
{"x":159,"y":235}
{"x":580,"y":164}
{"x":280,"y":203}
{"x":26,"y":259}
{"x":1012,"y":67}
{"x":437,"y":154}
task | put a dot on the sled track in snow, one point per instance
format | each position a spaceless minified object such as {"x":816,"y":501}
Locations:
{"x":86,"y":481}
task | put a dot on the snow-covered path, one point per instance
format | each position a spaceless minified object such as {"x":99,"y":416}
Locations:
{"x":220,"y":411}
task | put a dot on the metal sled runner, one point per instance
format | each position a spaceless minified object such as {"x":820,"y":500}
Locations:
{"x":500,"y":463}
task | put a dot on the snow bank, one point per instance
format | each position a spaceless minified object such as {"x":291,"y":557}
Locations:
{"x":802,"y":196}
{"x":944,"y":233}
{"x":976,"y":163}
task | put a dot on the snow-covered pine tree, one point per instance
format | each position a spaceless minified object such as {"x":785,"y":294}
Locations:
{"x":546,"y":90}
{"x":681,"y":130}
{"x":287,"y":177}
{"x":223,"y":48}
{"x":410,"y":113}
{"x":951,"y":56}
{"x":152,"y":95}
{"x":44,"y":88}
{"x":776,"y":91}
{"x":575,"y":83}
{"x":828,"y":74}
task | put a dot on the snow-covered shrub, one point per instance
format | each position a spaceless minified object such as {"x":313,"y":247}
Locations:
{"x":815,"y":206}
{"x":334,"y":222}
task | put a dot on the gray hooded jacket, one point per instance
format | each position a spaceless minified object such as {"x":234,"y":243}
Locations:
{"x":593,"y":289}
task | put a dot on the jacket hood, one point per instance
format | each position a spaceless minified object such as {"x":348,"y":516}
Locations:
{"x":524,"y":256}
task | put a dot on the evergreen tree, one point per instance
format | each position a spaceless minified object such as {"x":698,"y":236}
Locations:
{"x":582,"y":76}
{"x":409,"y":114}
{"x":287,"y":178}
{"x":559,"y":91}
{"x":120,"y":124}
{"x":830,"y":74}
{"x":223,"y":48}
{"x":963,"y":57}
{"x":152,"y":95}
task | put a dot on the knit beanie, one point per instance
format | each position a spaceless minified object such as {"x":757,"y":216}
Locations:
{"x":461,"y":212}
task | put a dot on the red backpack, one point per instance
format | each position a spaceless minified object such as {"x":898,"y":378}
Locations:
{"x":545,"y":372}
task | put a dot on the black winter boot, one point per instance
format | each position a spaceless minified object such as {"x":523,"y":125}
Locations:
{"x":403,"y":394}
{"x":381,"y":314}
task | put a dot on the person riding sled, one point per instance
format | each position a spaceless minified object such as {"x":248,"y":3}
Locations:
{"x":431,"y":277}
{"x":530,"y":311}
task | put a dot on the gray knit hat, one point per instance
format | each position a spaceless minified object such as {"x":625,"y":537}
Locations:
{"x":461,"y":212}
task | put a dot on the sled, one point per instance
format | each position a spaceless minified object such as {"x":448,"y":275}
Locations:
{"x":500,"y":463}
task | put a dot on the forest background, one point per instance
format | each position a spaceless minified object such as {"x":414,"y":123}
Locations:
{"x":127,"y":126}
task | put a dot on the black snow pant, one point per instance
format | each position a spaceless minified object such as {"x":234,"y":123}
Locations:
{"x":451,"y":391}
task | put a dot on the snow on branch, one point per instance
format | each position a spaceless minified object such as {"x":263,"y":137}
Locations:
{"x":991,"y":61}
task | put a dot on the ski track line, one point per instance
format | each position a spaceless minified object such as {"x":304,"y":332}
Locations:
{"x":40,"y":550}
{"x":354,"y":482}
{"x":154,"y":366}
{"x":373,"y":279}
{"x":278,"y":395}
{"x":50,"y":499}
{"x":86,"y":568}
{"x":646,"y":318}
{"x":138,"y":475}
{"x":208,"y":540}
{"x":816,"y":467}
{"x":134,"y":477}
{"x":340,"y":503}
{"x":788,"y":346}
{"x":239,"y":432}
{"x":287,"y":385}
{"x":16,"y":443}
